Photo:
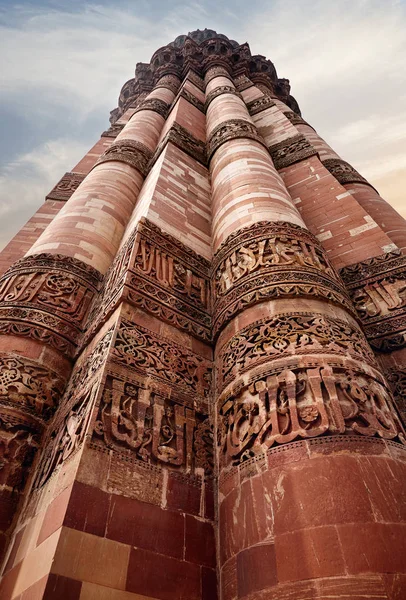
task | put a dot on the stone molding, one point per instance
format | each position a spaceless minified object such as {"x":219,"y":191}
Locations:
{"x":242,"y":83}
{"x":231,"y":130}
{"x":260,"y":104}
{"x":47,"y":297}
{"x":271,"y":260}
{"x":377,"y":288}
{"x":66,"y":186}
{"x":296,"y":119}
{"x":130,"y":152}
{"x":217,"y":70}
{"x":301,"y":398}
{"x":291,"y":151}
{"x":343,"y":171}
{"x":190,"y":98}
{"x":169,"y":81}
{"x":185,"y":141}
{"x":154,"y":104}
{"x":113,"y":130}
{"x":218,"y":91}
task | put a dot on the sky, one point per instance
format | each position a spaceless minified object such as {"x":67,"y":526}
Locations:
{"x":63,"y":65}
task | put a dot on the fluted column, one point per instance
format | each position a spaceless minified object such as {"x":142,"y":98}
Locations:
{"x":295,"y":380}
{"x":45,"y":297}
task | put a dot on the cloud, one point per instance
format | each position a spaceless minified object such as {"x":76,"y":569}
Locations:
{"x":65,"y":64}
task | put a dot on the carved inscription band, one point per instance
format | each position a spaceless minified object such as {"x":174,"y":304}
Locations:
{"x":377,"y":288}
{"x":66,"y":186}
{"x":298,"y":401}
{"x":47,"y":297}
{"x":271,"y":260}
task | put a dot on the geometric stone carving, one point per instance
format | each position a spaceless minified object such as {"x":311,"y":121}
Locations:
{"x":185,"y":141}
{"x":113,"y":131}
{"x":162,"y":359}
{"x":155,"y":104}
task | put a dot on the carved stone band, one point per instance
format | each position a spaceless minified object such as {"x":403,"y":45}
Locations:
{"x":260,"y":104}
{"x":289,"y":334}
{"x":66,"y":186}
{"x":292,"y":400}
{"x":184,"y":140}
{"x":343,"y":172}
{"x":296,"y":119}
{"x":271,"y":260}
{"x":156,"y":105}
{"x":171,"y":82}
{"x":47,"y":298}
{"x":192,"y":99}
{"x":218,"y":91}
{"x":113,"y":131}
{"x":157,"y":273}
{"x":291,"y":151}
{"x":232,"y":130}
{"x":130,"y":152}
{"x":377,"y":288}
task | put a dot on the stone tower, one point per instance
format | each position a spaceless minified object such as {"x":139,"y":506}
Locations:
{"x":202,"y":355}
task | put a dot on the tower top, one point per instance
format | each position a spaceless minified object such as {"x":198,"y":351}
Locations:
{"x":198,"y":51}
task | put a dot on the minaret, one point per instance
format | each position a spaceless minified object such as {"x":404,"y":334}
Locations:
{"x":203,"y":338}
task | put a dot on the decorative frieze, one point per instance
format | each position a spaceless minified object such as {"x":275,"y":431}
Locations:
{"x":296,"y":119}
{"x":47,"y":297}
{"x":154,"y":104}
{"x":171,"y":82}
{"x":162,"y":359}
{"x":157,"y":273}
{"x":242,"y":82}
{"x":131,"y":152}
{"x":66,"y":186}
{"x":114,"y":130}
{"x":192,"y":99}
{"x":260,"y":104}
{"x":271,"y":260}
{"x":294,"y":402}
{"x":291,"y":151}
{"x":140,"y":420}
{"x":68,"y":428}
{"x":29,"y":387}
{"x":219,"y":91}
{"x":231,"y":130}
{"x":377,"y":288}
{"x":185,"y":141}
{"x":286,"y":335}
{"x":343,"y":172}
